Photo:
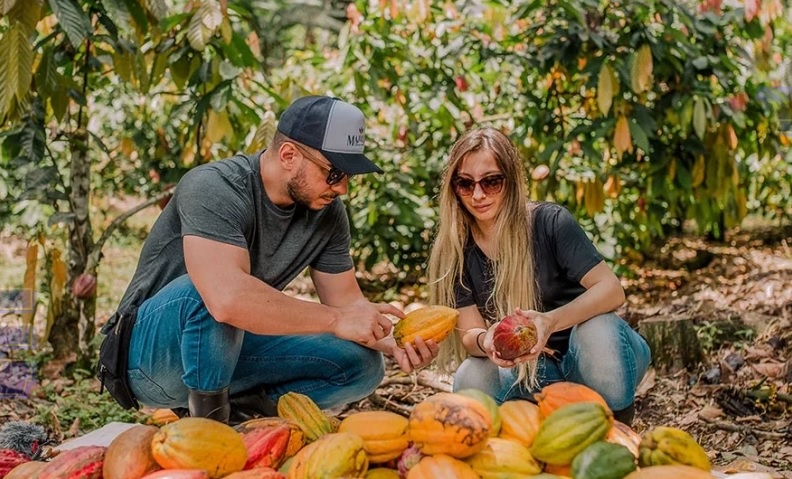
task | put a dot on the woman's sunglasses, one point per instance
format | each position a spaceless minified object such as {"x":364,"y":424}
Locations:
{"x":491,"y":185}
{"x":334,"y":175}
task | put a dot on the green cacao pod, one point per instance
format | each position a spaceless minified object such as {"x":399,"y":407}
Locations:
{"x":569,"y":430}
{"x":603,"y":460}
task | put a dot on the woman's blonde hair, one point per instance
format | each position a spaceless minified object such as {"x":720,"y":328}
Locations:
{"x":513,"y":264}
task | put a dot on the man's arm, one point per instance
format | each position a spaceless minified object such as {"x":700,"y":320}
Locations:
{"x":221,"y":274}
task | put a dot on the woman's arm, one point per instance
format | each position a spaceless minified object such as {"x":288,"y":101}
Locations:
{"x":471,"y":327}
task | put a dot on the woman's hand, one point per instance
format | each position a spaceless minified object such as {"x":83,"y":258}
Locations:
{"x":545,"y":326}
{"x":416,"y":355}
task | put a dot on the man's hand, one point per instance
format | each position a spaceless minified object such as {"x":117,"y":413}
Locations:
{"x":415,"y":355}
{"x":364,"y":322}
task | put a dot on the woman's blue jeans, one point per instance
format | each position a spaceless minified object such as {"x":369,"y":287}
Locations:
{"x":178,"y":346}
{"x":604,"y":354}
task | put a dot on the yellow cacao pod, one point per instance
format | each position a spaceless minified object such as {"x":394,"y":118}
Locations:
{"x":384,"y":433}
{"x":503,"y":458}
{"x":440,"y":466}
{"x":333,"y":455}
{"x":670,"y":446}
{"x":199,"y":443}
{"x":430,"y":322}
{"x":670,"y":472}
{"x":569,"y":430}
{"x":305,"y":413}
{"x":520,"y":421}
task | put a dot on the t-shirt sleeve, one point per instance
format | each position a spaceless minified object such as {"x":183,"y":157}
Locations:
{"x":334,"y":257}
{"x":214,"y":207}
{"x":575,"y":254}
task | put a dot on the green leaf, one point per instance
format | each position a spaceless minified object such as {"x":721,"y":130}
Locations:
{"x":158,"y":8}
{"x":47,"y":74}
{"x":119,"y":14}
{"x":699,"y":117}
{"x":72,"y":19}
{"x":638,"y":135}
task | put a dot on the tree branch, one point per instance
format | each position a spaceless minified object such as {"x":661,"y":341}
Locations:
{"x":97,"y":249}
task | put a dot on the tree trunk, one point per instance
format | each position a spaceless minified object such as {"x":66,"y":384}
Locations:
{"x":673,"y":342}
{"x":74,"y":329}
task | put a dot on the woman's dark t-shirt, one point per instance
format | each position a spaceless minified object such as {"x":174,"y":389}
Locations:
{"x":563,"y":254}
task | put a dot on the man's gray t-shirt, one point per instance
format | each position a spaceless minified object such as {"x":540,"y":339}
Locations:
{"x":225,"y":201}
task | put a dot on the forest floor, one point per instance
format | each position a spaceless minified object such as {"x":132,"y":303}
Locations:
{"x":737,"y":402}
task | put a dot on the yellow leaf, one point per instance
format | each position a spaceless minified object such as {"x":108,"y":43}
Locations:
{"x":622,"y":140}
{"x":672,"y":167}
{"x":732,"y":136}
{"x":641,"y":69}
{"x":580,"y":191}
{"x":204,"y":23}
{"x":594,"y":197}
{"x":16,"y":66}
{"x":613,"y":186}
{"x":225,"y":30}
{"x":218,"y":126}
{"x":699,"y":118}
{"x":6,"y":6}
{"x":264,"y":133}
{"x":29,"y":282}
{"x":57,"y":286}
{"x":605,"y":89}
{"x":699,"y":167}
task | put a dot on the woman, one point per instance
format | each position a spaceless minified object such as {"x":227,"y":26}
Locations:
{"x":497,"y":254}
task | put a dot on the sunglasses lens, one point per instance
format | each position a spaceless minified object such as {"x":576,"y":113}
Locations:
{"x":464,"y":186}
{"x":335,"y":176}
{"x":492,"y":184}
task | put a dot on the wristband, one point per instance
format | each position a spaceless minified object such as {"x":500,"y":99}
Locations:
{"x":479,"y":343}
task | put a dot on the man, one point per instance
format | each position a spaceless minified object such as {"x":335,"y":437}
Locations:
{"x":213,"y":331}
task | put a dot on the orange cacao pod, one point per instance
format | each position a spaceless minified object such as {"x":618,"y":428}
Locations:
{"x":84,"y":286}
{"x":430,"y":322}
{"x":333,"y":455}
{"x":161,"y":417}
{"x":28,"y":470}
{"x":257,"y":473}
{"x":305,"y":413}
{"x":199,"y":443}
{"x":562,"y":471}
{"x":514,"y":336}
{"x":384,"y":433}
{"x":266,"y":447}
{"x":520,"y":421}
{"x":129,"y":454}
{"x":451,"y":424}
{"x":296,"y":434}
{"x":440,"y":466}
{"x":78,"y":463}
{"x":178,"y":474}
{"x":552,"y":397}
{"x":489,"y":403}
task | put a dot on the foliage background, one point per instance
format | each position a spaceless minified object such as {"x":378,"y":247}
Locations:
{"x":640,"y":117}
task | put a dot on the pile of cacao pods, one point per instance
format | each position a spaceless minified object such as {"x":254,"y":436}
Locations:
{"x":569,"y":432}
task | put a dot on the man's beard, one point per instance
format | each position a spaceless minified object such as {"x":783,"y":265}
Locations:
{"x":298,"y":190}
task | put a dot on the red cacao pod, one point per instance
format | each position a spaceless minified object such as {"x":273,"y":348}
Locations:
{"x":266,"y":447}
{"x":514,"y":336}
{"x":84,"y":286}
{"x":409,"y":458}
{"x":9,"y":459}
{"x":80,"y":463}
{"x":129,"y":456}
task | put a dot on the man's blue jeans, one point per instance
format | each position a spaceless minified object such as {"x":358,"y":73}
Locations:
{"x":177,"y":345}
{"x":604,"y":354}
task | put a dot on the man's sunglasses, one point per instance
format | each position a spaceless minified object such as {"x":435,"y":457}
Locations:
{"x":334,"y":175}
{"x":491,"y":185}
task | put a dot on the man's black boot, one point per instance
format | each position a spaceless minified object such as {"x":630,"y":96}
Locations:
{"x":251,"y":404}
{"x":626,"y":415}
{"x":212,"y":405}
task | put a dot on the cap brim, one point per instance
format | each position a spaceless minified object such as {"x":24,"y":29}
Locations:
{"x":351,"y":163}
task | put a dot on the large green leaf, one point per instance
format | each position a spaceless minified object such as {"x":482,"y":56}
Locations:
{"x":16,"y":61}
{"x":72,"y":19}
